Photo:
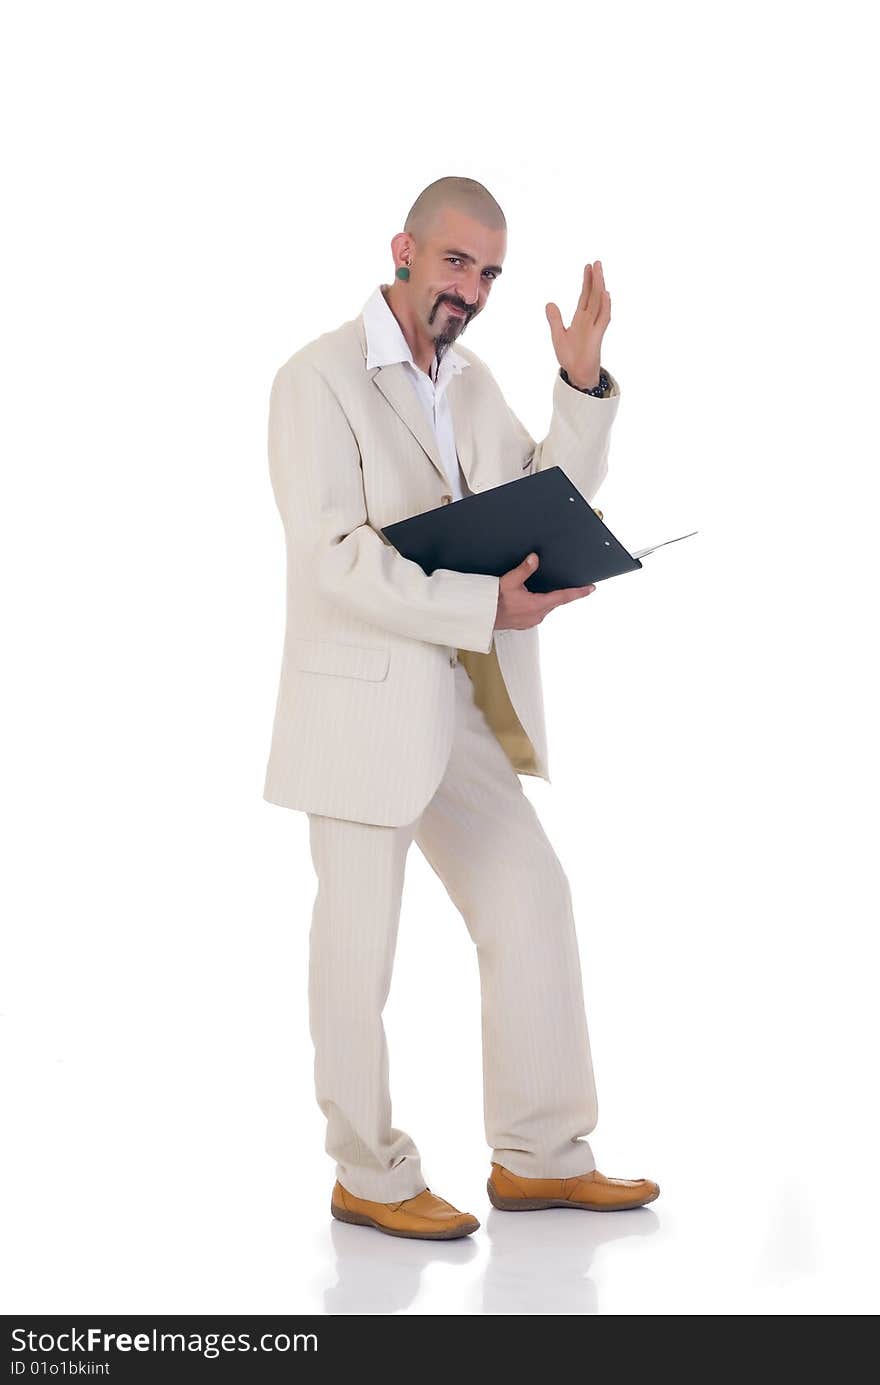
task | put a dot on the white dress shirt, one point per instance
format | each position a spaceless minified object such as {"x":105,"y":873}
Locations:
{"x":386,"y":345}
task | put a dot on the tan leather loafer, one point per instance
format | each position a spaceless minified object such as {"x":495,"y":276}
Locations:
{"x":425,"y":1216}
{"x":592,"y":1192}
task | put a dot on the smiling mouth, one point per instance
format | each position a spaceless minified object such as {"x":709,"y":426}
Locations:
{"x":450,"y":307}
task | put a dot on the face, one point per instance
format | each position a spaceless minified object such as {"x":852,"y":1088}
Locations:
{"x":454,"y":272}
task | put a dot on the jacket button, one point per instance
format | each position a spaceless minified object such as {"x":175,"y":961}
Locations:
{"x":445,"y":499}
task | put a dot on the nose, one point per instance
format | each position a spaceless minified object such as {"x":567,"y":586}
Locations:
{"x":467,"y":295}
{"x":472,"y":282}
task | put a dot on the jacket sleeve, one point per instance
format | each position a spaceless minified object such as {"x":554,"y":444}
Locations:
{"x":579,"y":436}
{"x":315,"y":469}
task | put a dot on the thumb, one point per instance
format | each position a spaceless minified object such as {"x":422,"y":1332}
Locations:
{"x":527,"y":566}
{"x":554,"y":317}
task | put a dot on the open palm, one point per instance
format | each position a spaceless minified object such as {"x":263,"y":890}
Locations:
{"x":578,"y":346}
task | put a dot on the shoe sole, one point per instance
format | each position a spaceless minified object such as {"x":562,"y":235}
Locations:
{"x":359,"y":1219}
{"x":538,"y":1204}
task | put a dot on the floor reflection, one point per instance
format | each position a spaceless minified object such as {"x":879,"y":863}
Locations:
{"x":538,"y":1262}
{"x":376,"y":1273}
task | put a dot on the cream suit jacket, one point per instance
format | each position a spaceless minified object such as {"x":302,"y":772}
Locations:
{"x":363,"y":720}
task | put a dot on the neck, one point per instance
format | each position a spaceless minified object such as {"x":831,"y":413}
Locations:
{"x":423,"y":347}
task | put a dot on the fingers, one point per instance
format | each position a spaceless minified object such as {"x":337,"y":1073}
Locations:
{"x":585,"y":288}
{"x":597,"y":292}
{"x":563,"y":595}
{"x":594,"y":298}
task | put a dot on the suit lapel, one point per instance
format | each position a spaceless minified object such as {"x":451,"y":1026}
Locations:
{"x":398,"y":390}
{"x":462,"y":427}
{"x":392,"y":381}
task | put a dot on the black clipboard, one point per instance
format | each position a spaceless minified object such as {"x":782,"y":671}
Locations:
{"x":492,"y":531}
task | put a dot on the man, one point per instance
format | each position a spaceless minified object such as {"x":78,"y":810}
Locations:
{"x":409,"y":704}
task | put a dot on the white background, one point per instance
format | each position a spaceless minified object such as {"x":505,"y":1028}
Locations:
{"x":193,"y":192}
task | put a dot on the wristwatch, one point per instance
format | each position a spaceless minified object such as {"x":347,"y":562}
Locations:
{"x":597,"y":391}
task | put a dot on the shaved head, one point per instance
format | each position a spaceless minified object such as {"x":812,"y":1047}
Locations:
{"x":447,"y":258}
{"x":463,"y":195}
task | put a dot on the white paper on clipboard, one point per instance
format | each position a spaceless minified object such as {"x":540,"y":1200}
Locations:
{"x":643,"y":552}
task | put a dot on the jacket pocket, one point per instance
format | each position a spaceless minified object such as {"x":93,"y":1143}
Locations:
{"x":345,"y":660}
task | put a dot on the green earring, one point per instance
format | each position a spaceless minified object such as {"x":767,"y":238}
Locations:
{"x":403,"y":272}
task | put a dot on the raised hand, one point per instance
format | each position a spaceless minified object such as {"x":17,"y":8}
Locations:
{"x":578,"y":346}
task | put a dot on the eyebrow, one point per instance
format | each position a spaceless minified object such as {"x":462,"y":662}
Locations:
{"x":463,"y":255}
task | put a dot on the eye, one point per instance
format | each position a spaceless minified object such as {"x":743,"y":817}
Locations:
{"x":456,"y":259}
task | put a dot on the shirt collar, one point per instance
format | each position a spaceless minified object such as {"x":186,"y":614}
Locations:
{"x":386,"y":344}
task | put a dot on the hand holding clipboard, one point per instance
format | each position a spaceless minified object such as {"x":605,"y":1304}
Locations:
{"x":490,"y":532}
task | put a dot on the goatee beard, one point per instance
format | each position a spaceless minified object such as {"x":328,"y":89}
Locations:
{"x":448,"y":334}
{"x":443,"y":342}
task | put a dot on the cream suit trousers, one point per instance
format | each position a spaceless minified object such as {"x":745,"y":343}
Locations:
{"x":481,"y":835}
